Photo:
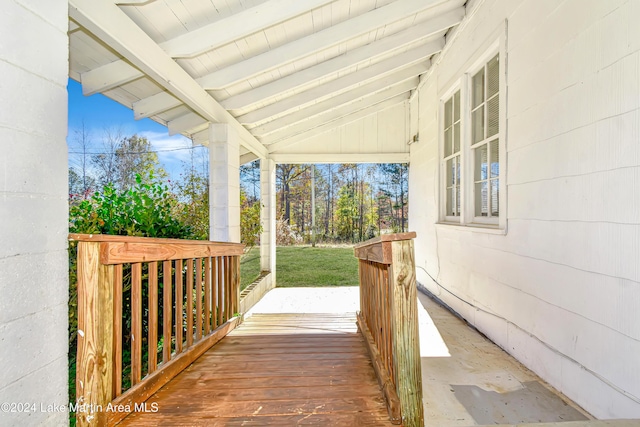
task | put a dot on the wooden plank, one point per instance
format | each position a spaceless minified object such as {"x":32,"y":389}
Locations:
{"x":117,"y":330}
{"x":189,"y":305}
{"x":152,"y":340}
{"x":227,"y":288}
{"x":387,"y":386}
{"x":198,"y":285}
{"x":136,"y":323}
{"x":387,"y":238}
{"x":162,"y":376}
{"x":121,"y":252}
{"x":166,"y":312}
{"x":378,"y":252}
{"x":325,"y":377}
{"x":207,"y":296}
{"x":221,"y":296}
{"x":404,"y":324}
{"x":179,"y":302}
{"x":94,"y":368}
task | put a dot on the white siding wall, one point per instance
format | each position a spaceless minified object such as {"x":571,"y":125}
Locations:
{"x":33,"y":208}
{"x":378,"y":133}
{"x":563,"y":285}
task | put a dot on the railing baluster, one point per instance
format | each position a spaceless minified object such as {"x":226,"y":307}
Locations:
{"x":152,"y":340}
{"x":179,"y":300}
{"x":117,"y":330}
{"x":136,"y":323}
{"x":220,"y":292}
{"x":167,"y":315}
{"x":207,"y":295}
{"x":189,"y":307}
{"x":198,"y":299}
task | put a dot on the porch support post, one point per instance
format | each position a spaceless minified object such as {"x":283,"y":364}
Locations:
{"x":224,"y":183}
{"x":268,"y":216}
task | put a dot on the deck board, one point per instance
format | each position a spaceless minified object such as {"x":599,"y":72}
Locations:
{"x":276,"y":370}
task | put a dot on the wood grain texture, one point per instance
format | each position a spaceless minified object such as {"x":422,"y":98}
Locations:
{"x":404,"y":326}
{"x":152,"y":339}
{"x":384,"y":380}
{"x":136,"y":323}
{"x":167,"y":315}
{"x":152,"y":383}
{"x":119,"y":252}
{"x":179,"y":303}
{"x":117,"y":330}
{"x":198,"y":285}
{"x":276,"y":370}
{"x":94,"y":369}
{"x":189,"y":305}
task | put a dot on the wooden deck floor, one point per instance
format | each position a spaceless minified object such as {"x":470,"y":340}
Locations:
{"x":278,"y":370}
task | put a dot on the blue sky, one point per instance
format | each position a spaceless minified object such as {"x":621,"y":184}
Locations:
{"x":100,"y":113}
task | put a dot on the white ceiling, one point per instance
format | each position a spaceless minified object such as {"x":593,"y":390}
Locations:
{"x":272,"y":69}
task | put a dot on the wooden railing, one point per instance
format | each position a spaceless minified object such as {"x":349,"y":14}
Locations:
{"x":389,"y":322}
{"x":147,"y":308}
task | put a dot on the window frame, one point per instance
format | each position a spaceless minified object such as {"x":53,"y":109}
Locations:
{"x":443,"y":158}
{"x":467,"y":216}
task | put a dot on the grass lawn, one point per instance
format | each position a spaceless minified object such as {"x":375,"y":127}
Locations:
{"x":249,"y":267}
{"x":305,"y":266}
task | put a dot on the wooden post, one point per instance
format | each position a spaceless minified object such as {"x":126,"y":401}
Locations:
{"x":404,"y":328}
{"x":94,"y":369}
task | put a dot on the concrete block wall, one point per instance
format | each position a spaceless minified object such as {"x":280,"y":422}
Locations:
{"x":560,"y":290}
{"x":33,"y":210}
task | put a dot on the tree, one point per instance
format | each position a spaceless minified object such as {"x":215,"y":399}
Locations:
{"x":192,"y":194}
{"x":82,"y":181}
{"x":124,"y":158}
{"x":395,"y":188}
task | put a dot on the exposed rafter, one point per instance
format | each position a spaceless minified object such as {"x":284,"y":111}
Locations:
{"x":108,"y":76}
{"x":115,"y":28}
{"x":275,"y":147}
{"x":316,"y":42}
{"x":155,"y":104}
{"x":342,"y":84}
{"x":238,"y":26}
{"x":342,"y":62}
{"x":189,"y":123}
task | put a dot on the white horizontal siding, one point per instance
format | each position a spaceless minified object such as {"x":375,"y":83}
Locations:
{"x":561,"y":289}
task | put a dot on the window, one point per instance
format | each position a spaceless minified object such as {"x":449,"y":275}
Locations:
{"x":452,"y":154}
{"x":485,"y":125}
{"x":472,"y":148}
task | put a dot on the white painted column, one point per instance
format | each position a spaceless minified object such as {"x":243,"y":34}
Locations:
{"x":224,"y":183}
{"x":268,"y":215}
{"x":34,"y":221}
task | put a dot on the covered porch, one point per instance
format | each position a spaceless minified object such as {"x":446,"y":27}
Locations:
{"x":551,"y":275}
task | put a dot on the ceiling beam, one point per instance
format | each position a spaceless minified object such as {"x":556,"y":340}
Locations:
{"x":154,"y":104}
{"x":278,"y":146}
{"x":336,"y":113}
{"x":247,"y":158}
{"x":406,"y":60}
{"x":108,"y":76}
{"x":315,"y":42}
{"x":388,"y":83}
{"x":316,"y":158}
{"x":189,"y":123}
{"x":238,"y":26}
{"x":114,"y":28}
{"x":350,"y":59}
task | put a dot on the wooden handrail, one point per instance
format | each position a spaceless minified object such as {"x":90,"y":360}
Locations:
{"x":389,"y":322}
{"x":183,"y":296}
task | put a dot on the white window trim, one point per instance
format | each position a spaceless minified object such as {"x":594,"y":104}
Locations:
{"x":467,"y":217}
{"x":441,"y":162}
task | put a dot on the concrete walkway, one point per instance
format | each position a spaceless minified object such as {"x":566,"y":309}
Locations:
{"x":467,"y":380}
